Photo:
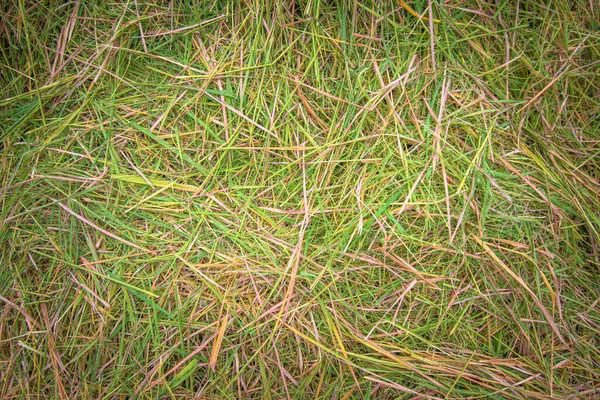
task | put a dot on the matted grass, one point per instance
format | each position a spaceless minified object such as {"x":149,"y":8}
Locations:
{"x":301,"y":199}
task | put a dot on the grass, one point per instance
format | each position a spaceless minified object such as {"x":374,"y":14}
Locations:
{"x":300,"y":199}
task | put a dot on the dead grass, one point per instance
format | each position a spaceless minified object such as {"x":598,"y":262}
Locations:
{"x":300,"y":199}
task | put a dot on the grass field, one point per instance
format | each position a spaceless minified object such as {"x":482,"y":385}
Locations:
{"x":300,"y":199}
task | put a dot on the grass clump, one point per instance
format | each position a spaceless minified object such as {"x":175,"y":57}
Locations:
{"x":300,"y":199}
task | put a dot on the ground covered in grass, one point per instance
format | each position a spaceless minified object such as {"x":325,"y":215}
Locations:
{"x":305,"y":199}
